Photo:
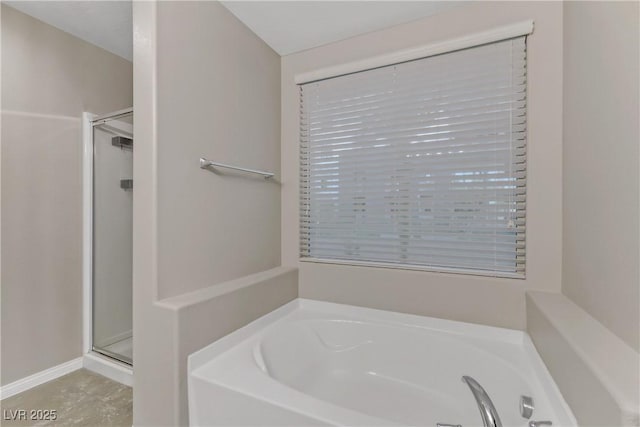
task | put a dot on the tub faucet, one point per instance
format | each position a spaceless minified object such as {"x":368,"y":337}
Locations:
{"x":488,"y":412}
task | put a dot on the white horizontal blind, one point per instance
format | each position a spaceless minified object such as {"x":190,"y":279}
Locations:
{"x":419,"y":164}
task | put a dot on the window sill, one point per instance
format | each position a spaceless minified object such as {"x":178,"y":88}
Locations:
{"x":448,"y":270}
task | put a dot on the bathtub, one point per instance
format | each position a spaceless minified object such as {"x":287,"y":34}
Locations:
{"x":317,"y":363}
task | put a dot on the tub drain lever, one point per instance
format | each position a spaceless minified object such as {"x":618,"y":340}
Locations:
{"x":526,"y":406}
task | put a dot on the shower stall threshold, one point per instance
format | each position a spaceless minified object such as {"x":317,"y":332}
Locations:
{"x":107,"y":366}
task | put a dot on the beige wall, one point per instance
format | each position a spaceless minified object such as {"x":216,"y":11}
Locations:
{"x":48,"y":79}
{"x":601,"y":163}
{"x":205,"y":85}
{"x":596,"y":319}
{"x":491,"y":301}
{"x":219,"y":98}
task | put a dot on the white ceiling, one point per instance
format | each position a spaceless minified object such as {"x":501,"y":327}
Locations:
{"x":286,"y":26}
{"x":107,"y":24}
{"x":292,"y":26}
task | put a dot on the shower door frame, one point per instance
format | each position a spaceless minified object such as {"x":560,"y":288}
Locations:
{"x":112,"y":366}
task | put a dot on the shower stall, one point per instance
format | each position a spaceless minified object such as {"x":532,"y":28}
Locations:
{"x":108,"y":223}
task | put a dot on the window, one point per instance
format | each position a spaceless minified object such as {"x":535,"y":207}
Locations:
{"x":419,"y":164}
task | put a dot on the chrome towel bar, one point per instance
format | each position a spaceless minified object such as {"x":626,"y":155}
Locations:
{"x":204,"y":163}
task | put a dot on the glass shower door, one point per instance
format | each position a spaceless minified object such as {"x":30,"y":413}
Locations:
{"x":112,"y":237}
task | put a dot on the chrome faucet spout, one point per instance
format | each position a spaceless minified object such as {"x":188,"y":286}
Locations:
{"x":488,"y":412}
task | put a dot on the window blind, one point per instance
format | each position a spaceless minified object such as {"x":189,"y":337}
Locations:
{"x":419,"y":164}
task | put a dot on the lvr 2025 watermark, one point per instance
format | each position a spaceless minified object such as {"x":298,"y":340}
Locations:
{"x":29,"y":414}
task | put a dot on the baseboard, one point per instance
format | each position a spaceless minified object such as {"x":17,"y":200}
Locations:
{"x":38,"y":378}
{"x":111,"y":369}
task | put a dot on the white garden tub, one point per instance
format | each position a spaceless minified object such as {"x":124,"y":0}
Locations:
{"x":316,"y":363}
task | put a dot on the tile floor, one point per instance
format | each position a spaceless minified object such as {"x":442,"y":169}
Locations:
{"x":81,"y":398}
